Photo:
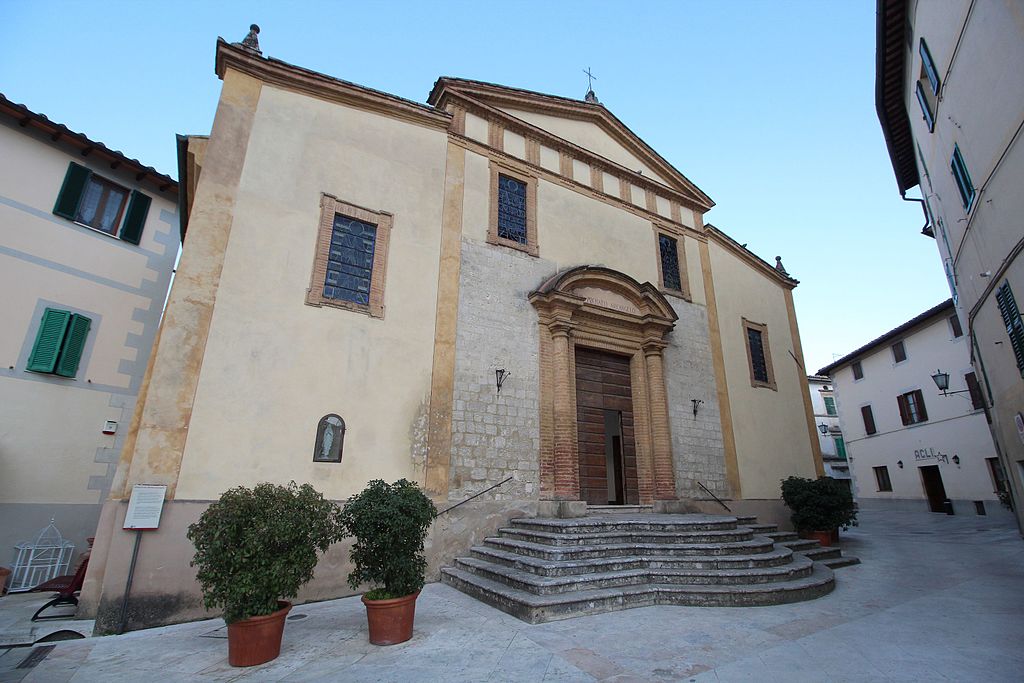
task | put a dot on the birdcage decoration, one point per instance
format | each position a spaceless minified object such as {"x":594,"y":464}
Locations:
{"x":40,"y":560}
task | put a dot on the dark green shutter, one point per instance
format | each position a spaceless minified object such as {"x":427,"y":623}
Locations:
{"x":138,"y":208}
{"x":71,"y":191}
{"x":48,"y":340}
{"x":74,"y":343}
{"x":840,"y":447}
{"x":1014,"y":325}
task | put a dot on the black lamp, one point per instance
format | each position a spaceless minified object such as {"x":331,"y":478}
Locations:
{"x":696,"y":404}
{"x":941,"y":380}
{"x":899,"y":463}
{"x":500,"y":375}
{"x":956,"y":460}
{"x":823,"y":428}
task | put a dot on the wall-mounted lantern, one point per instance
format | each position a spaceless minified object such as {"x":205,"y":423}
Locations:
{"x":899,"y":463}
{"x":697,"y":403}
{"x":941,"y":380}
{"x":823,"y":428}
{"x":330,"y":439}
{"x":956,"y":460}
{"x":500,"y":375}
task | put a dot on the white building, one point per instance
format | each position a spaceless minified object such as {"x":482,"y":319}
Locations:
{"x":950,"y":97}
{"x":830,"y":434}
{"x":88,"y":240}
{"x":910,"y":446}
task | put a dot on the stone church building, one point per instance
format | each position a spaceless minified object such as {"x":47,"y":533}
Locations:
{"x":495,"y":285}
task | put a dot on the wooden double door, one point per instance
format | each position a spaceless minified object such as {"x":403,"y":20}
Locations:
{"x":604,"y":420}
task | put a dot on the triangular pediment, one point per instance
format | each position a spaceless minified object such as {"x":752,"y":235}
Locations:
{"x":588,"y":125}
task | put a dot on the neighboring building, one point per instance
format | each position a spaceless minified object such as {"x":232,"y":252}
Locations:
{"x":830,"y":435}
{"x":88,"y":240}
{"x":910,"y":446}
{"x":361,"y":265}
{"x":950,"y":96}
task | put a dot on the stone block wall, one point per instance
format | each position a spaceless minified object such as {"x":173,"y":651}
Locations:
{"x":697,"y":449}
{"x":496,"y":435}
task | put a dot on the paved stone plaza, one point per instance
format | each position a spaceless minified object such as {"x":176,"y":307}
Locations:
{"x":937,"y":598}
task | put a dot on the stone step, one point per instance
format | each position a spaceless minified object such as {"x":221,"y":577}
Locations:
{"x":818,"y":553}
{"x":619,"y":509}
{"x":839,"y":562}
{"x":758,"y":544}
{"x":682,"y":523}
{"x":746,"y":519}
{"x":546,"y":567}
{"x":541,"y":608}
{"x":547,"y":585}
{"x":799,"y":544}
{"x":613,"y":537}
{"x":762,"y":528}
{"x":778,"y":536}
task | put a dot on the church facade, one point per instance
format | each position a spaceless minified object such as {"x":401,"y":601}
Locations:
{"x":498,"y":288}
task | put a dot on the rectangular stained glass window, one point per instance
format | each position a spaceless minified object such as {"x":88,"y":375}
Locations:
{"x":511,"y":209}
{"x":669,"y":263}
{"x":757,"y":355}
{"x":350,"y":260}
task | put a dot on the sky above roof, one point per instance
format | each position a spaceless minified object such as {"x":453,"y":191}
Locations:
{"x":767,"y":106}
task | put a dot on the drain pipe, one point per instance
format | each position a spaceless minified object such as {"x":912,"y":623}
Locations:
{"x":927,"y":229}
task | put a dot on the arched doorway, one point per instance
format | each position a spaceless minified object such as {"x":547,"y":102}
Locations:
{"x":602,"y":379}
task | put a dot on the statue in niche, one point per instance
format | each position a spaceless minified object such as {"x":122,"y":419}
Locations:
{"x":330,"y":437}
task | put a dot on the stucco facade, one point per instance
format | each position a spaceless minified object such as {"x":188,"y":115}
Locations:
{"x":830,"y":434}
{"x":937,"y":451}
{"x":959,"y":143}
{"x":248,"y":361}
{"x":56,"y":461}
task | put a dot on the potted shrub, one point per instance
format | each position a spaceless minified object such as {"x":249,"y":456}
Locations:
{"x":389,"y":522}
{"x":254,"y":549}
{"x":820,"y":507}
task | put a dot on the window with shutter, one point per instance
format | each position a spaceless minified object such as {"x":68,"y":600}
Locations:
{"x":974,"y":388}
{"x":840,"y":447}
{"x":830,"y":405}
{"x":882,"y":478}
{"x":98,"y":203}
{"x":912,"y":410}
{"x":962,"y":178}
{"x":869,"y":419}
{"x":954,"y":324}
{"x":899,"y":352}
{"x":59,"y":343}
{"x":1014,"y":325}
{"x":858,"y":370}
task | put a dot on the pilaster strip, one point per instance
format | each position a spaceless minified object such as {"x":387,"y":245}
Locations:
{"x":596,"y":178}
{"x":664,"y":476}
{"x":732,"y":472}
{"x":533,"y":151}
{"x":566,"y":460}
{"x":442,"y":378}
{"x":495,"y":135}
{"x":178,"y":359}
{"x":651,"y":200}
{"x":565,"y":165}
{"x":812,"y":431}
{"x":625,"y":190}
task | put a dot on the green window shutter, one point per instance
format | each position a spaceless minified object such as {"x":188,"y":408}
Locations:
{"x":830,"y":405}
{"x":71,"y":191}
{"x":840,"y":447}
{"x":74,"y":343}
{"x":48,"y":340}
{"x":138,"y":208}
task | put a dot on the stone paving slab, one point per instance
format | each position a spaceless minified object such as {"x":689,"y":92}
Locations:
{"x":937,"y":598}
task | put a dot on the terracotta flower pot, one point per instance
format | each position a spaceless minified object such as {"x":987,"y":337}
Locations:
{"x":257,"y":640}
{"x":391,"y":620}
{"x":822,"y":537}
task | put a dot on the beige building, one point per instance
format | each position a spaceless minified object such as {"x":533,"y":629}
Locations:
{"x":496,"y":286}
{"x":88,"y":240}
{"x":830,"y":434}
{"x":950,"y":96}
{"x":912,"y":447}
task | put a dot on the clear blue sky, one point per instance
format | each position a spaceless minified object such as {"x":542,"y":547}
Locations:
{"x":767,"y":106}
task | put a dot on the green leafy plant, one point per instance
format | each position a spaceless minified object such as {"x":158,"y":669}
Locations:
{"x":255,"y":546}
{"x":819,"y":504}
{"x":389,"y":522}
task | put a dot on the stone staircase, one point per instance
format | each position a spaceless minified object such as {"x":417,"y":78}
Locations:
{"x":546,"y":569}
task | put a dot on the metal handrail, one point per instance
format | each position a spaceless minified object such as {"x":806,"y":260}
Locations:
{"x":505,"y":481}
{"x":713,"y":496}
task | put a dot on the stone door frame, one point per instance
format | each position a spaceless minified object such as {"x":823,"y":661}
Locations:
{"x":603,"y":309}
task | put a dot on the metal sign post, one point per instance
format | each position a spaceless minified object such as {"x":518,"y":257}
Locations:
{"x":144,"y":508}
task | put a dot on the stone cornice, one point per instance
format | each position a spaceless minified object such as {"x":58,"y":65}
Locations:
{"x":530,"y":168}
{"x":297,"y":79}
{"x":686,"y":193}
{"x":748,"y":256}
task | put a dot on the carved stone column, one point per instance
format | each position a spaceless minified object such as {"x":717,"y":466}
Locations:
{"x":661,"y":437}
{"x":566,"y":459}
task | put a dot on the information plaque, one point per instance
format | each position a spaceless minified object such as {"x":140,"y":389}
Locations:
{"x":145,"y":506}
